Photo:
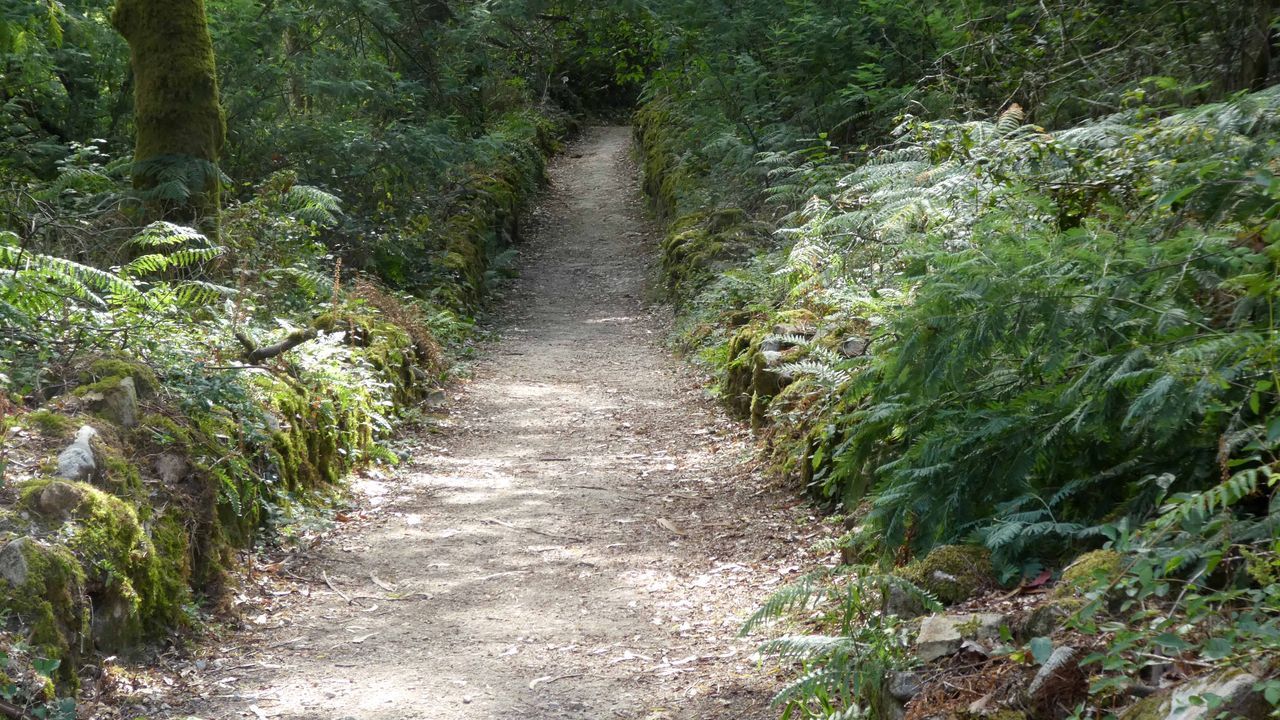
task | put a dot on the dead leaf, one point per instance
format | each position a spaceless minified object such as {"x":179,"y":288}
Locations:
{"x":670,"y":527}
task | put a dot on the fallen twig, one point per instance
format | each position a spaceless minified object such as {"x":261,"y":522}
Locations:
{"x":14,"y":712}
{"x":325,"y":576}
{"x":548,"y":679}
{"x":254,"y":355}
{"x":501,"y":574}
{"x":544,"y":533}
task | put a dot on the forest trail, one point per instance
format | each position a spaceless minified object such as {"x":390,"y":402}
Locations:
{"x":582,"y":540}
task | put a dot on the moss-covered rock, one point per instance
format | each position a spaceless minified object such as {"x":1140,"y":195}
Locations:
{"x":1047,"y":618}
{"x":135,"y":591}
{"x":107,"y":372}
{"x":700,"y":245}
{"x":747,"y":382}
{"x":1090,"y":570}
{"x":1232,"y":694}
{"x":952,"y":573}
{"x":43,"y":586}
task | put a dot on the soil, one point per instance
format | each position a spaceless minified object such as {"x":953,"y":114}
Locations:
{"x":582,"y":538}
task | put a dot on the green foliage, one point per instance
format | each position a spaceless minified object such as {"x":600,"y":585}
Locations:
{"x":39,"y":704}
{"x":1047,"y":314}
{"x":1035,"y":333}
{"x":378,"y":156}
{"x":1196,"y":584}
{"x":841,"y":668}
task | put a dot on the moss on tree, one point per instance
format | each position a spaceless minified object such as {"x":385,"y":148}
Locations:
{"x":180,"y":124}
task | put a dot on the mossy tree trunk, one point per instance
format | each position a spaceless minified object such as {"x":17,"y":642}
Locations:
{"x":180,"y":125}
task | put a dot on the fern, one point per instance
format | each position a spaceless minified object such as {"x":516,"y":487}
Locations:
{"x":313,"y":205}
{"x":161,"y":234}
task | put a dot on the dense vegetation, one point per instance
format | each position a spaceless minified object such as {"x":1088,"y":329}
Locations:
{"x":241,"y":241}
{"x":996,"y":274}
{"x":983,"y":273}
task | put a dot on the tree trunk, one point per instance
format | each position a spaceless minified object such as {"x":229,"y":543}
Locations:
{"x":180,"y":124}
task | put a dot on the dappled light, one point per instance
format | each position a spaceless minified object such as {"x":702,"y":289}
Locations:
{"x":642,"y":359}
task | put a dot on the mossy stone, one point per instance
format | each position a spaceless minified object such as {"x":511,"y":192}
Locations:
{"x":1236,"y":695}
{"x":140,"y":591}
{"x":49,"y":598}
{"x":1049,"y":617}
{"x":105,"y":373}
{"x":1089,"y":571}
{"x":952,"y":573}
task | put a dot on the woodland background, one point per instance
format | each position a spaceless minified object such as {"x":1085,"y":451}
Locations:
{"x":998,"y":276}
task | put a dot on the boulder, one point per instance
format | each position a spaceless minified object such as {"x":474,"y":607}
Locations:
{"x":902,"y":685}
{"x":1231,"y":693}
{"x":58,"y":499}
{"x":77,"y":462}
{"x":796,"y":329}
{"x":171,"y":468}
{"x":950,"y":573}
{"x":114,"y":625}
{"x":902,"y":602}
{"x":854,"y":347}
{"x":943,"y":635}
{"x":117,"y":403}
{"x":1089,"y":571}
{"x":1046,"y":619}
{"x":13,"y":562}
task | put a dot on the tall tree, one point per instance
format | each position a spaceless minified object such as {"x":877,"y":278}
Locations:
{"x":180,"y":124}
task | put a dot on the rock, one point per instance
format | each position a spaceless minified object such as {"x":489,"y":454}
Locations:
{"x":1046,"y":619}
{"x":805,"y":331}
{"x":110,"y":369}
{"x":114,"y":622}
{"x":901,"y":602}
{"x":13,"y":562}
{"x":854,"y":347}
{"x":58,"y":499}
{"x":890,"y":709}
{"x":943,"y":635}
{"x":77,"y":461}
{"x":1088,"y":571}
{"x":771,"y":357}
{"x":117,"y":404}
{"x":1233,"y":695}
{"x":902,"y":685}
{"x":1059,"y":685}
{"x":171,"y":468}
{"x":952,"y":573}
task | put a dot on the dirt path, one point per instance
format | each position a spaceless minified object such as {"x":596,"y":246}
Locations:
{"x":582,"y":541}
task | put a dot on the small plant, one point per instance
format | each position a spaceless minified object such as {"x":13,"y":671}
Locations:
{"x":842,"y":665}
{"x":30,"y":702}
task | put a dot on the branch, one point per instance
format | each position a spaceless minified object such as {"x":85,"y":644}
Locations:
{"x":14,"y":712}
{"x":255,"y":355}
